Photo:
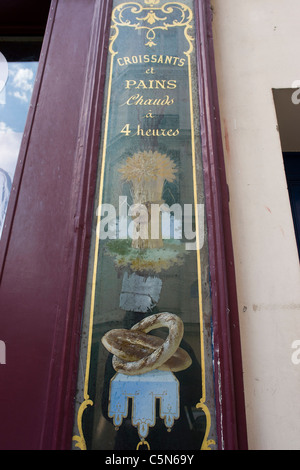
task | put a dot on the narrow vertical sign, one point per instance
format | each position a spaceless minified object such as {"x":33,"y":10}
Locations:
{"x":148,"y":379}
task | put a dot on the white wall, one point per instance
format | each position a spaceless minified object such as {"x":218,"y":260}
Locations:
{"x":256,"y":47}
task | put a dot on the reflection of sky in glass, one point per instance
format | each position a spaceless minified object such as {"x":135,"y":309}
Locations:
{"x":14,"y":104}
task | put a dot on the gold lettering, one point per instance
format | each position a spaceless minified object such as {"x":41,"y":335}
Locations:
{"x":141,"y":84}
{"x":139,"y":100}
{"x":160,"y":84}
{"x":154,"y":59}
{"x":150,"y":71}
{"x":155,"y":132}
{"x":150,"y":84}
{"x":172,"y":84}
{"x":130,"y":83}
{"x":149,"y":132}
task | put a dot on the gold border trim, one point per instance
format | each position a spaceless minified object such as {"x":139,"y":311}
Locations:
{"x":81,"y":443}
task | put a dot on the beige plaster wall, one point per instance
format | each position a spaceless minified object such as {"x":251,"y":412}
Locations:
{"x":256,"y":47}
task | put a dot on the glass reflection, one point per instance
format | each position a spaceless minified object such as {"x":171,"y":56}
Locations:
{"x":18,"y":68}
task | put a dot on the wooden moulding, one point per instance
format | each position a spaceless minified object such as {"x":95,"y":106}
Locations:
{"x":231,"y":421}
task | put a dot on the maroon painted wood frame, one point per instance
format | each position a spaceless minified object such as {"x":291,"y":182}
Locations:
{"x":231,"y":415}
{"x":45,"y":245}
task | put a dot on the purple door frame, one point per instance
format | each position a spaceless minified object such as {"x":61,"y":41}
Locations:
{"x":45,"y":245}
{"x":227,"y":348}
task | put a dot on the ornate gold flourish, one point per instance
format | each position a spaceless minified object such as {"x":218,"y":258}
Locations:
{"x":152,"y":2}
{"x":151,"y":18}
{"x":80,"y":439}
{"x":113,"y":37}
{"x":175,"y":14}
{"x":143,"y":443}
{"x":206,"y":442}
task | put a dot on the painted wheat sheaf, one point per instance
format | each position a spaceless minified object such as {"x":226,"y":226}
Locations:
{"x":147,"y":172}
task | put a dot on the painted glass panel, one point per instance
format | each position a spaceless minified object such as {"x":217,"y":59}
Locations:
{"x":18,"y":66}
{"x":146,"y":370}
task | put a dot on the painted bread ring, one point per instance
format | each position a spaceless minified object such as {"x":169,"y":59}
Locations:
{"x":160,"y":355}
{"x":132,"y":346}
